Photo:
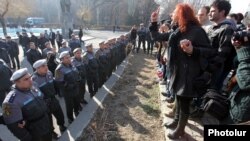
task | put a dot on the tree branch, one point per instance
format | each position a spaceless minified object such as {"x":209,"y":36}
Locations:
{"x":6,"y":8}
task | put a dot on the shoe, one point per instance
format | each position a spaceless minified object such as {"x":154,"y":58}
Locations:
{"x":163,"y":82}
{"x":54,"y":135}
{"x":172,"y":124}
{"x":70,"y":121}
{"x":62,"y":128}
{"x":180,"y":129}
{"x":170,"y":105}
{"x":166,"y":94}
{"x":170,"y":113}
{"x":169,"y":99}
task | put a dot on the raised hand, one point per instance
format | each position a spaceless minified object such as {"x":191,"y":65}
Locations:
{"x":155,"y":15}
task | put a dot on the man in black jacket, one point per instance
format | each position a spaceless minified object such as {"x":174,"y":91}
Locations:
{"x":25,"y":43}
{"x":52,"y":37}
{"x":5,"y":83}
{"x":220,"y":36}
{"x":34,"y":39}
{"x":33,"y":54}
{"x":4,"y":55}
{"x":41,"y":41}
{"x":13,"y":52}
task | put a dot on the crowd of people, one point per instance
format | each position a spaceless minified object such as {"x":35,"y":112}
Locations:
{"x":202,"y":58}
{"x":29,"y":100}
{"x":204,"y":65}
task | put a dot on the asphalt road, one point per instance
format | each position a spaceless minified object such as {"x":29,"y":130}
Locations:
{"x":93,"y":37}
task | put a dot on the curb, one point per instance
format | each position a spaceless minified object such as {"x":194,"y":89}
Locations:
{"x":75,"y":130}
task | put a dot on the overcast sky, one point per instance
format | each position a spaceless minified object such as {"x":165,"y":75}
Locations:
{"x":240,"y":5}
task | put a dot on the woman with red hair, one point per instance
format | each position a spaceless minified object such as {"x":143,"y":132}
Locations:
{"x":189,"y":50}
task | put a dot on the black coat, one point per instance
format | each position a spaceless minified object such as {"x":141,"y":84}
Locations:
{"x":5,"y":74}
{"x":25,"y":41}
{"x":34,"y":39}
{"x":186,"y":70}
{"x":4,"y":55}
{"x":13,"y":49}
{"x":33,"y":55}
{"x":41,"y":42}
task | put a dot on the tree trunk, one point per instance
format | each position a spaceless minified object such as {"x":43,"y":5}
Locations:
{"x":66,"y":18}
{"x":2,"y":21}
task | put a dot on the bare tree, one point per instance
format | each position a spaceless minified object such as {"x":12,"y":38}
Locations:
{"x":4,"y":9}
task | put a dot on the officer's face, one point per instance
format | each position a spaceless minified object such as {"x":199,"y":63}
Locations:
{"x":25,"y":82}
{"x":66,"y":60}
{"x":78,"y":54}
{"x":42,"y":69}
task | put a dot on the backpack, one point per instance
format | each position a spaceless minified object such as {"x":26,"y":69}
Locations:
{"x":215,"y":104}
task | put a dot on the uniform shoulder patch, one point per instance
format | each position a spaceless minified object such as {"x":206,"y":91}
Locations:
{"x":6,"y":109}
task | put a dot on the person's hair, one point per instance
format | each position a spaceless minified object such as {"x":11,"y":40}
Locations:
{"x":233,"y":15}
{"x":240,"y":17}
{"x":185,"y":16}
{"x":222,"y":5}
{"x":207,"y":9}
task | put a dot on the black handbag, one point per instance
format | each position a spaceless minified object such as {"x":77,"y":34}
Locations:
{"x":216,"y":104}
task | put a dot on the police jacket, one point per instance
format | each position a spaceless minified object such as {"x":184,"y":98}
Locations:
{"x":26,"y":106}
{"x":67,"y":76}
{"x":45,"y":83}
{"x":81,"y":67}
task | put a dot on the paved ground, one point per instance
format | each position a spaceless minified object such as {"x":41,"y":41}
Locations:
{"x":92,"y":37}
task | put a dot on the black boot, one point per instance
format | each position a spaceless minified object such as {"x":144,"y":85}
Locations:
{"x":180,"y":130}
{"x":172,"y":125}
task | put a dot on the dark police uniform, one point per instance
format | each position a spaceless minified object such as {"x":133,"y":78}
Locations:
{"x":46,"y":84}
{"x":81,"y":66}
{"x":92,"y":72}
{"x":30,"y":107}
{"x":109,"y":57}
{"x":68,"y":79}
{"x":102,"y":58}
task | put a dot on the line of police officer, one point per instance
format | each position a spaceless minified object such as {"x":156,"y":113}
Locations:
{"x":29,"y":106}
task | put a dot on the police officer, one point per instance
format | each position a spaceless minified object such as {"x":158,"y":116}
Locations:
{"x":43,"y":78}
{"x":74,"y":42}
{"x":78,"y":62}
{"x":65,"y":48}
{"x":102,"y":58}
{"x":68,"y":78}
{"x":109,"y":57}
{"x":25,"y":111}
{"x":5,"y":83}
{"x":13,"y":52}
{"x":92,"y":70}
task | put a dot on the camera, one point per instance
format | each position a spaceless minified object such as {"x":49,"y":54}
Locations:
{"x":243,"y":37}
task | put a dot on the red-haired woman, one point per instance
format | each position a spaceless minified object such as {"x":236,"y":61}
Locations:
{"x":189,"y":49}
